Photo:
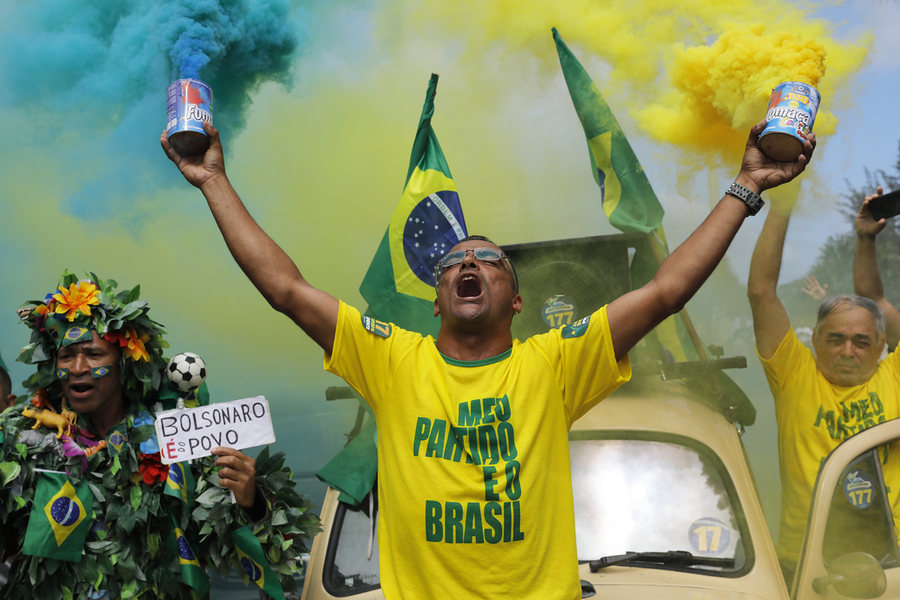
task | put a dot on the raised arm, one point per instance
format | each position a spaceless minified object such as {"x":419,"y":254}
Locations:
{"x":866,"y":277}
{"x":770,"y":319}
{"x":266,"y":265}
{"x":633,"y":315}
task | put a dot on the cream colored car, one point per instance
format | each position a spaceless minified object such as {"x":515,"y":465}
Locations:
{"x":665,"y":507}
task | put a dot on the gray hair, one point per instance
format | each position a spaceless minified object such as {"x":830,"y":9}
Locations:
{"x":833,"y":303}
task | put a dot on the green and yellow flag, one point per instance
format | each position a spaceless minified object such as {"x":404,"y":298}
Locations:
{"x":399,"y":285}
{"x":192,"y":572}
{"x":180,"y":483}
{"x":253,"y":559}
{"x":628,"y":199}
{"x":60,"y":518}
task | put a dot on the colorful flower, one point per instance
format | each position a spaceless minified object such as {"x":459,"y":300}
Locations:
{"x":71,"y":448}
{"x":131,"y":342}
{"x":134,"y":348}
{"x":152,"y":469}
{"x":78,"y":298}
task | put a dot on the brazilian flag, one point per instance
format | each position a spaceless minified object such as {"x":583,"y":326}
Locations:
{"x":399,"y":285}
{"x":180,"y":483}
{"x":60,"y":518}
{"x":628,"y":199}
{"x":253,"y":560}
{"x":192,"y":572}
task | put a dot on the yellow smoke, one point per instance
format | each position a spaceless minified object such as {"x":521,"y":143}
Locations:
{"x":695,"y":73}
{"x":721,"y":90}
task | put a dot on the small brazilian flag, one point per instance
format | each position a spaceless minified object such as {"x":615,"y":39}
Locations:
{"x":428,"y":221}
{"x":116,"y":439}
{"x":253,"y":559}
{"x":180,"y":482}
{"x":192,"y":572}
{"x":628,"y":199}
{"x":60,"y":518}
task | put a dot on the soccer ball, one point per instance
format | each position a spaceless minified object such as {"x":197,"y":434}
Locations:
{"x":186,"y":371}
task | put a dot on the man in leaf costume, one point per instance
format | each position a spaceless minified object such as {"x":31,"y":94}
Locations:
{"x":87,"y":510}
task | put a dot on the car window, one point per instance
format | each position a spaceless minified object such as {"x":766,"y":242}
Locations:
{"x":652,"y":495}
{"x":348,"y":567}
{"x":859,"y":518}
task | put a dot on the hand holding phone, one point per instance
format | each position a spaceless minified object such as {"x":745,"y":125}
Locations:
{"x":885,"y":206}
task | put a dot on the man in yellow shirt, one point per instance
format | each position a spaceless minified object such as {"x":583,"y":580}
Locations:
{"x":474,"y":483}
{"x":824,"y":397}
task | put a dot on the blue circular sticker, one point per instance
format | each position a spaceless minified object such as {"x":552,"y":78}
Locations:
{"x":858,"y":488}
{"x":558,"y":311}
{"x":709,"y":537}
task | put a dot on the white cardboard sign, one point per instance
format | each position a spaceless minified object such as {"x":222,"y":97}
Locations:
{"x":192,"y":433}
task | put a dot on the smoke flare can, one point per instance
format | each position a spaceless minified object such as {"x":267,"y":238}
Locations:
{"x":188,"y":105}
{"x":790,"y":117}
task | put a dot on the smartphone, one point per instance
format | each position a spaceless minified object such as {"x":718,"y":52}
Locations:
{"x":885,"y":206}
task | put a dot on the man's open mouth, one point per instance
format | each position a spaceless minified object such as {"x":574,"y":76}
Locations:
{"x":468,"y":286}
{"x":81,"y":388}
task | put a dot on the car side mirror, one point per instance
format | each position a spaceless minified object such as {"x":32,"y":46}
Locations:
{"x":855,"y":575}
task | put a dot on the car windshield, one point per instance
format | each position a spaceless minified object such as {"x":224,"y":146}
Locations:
{"x":636,"y":495}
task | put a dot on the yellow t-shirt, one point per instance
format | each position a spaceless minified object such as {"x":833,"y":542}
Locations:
{"x":474,"y":486}
{"x":813,"y":417}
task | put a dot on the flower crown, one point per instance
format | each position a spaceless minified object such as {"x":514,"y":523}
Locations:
{"x":69,"y":314}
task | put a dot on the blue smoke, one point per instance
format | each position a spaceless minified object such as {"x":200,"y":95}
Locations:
{"x":89,"y":78}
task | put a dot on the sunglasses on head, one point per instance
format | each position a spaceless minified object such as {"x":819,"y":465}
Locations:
{"x":483,"y":254}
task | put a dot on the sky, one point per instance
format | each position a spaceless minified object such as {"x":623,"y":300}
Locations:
{"x":318,"y":104}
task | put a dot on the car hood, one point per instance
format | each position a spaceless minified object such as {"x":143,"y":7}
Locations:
{"x":648,"y":591}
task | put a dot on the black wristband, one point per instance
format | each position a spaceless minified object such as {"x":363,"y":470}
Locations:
{"x":753,"y":200}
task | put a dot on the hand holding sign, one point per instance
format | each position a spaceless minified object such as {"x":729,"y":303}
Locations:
{"x":238,"y":474}
{"x":195,"y":432}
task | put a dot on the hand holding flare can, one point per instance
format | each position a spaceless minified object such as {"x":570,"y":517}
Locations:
{"x":790,"y":117}
{"x":188,"y":105}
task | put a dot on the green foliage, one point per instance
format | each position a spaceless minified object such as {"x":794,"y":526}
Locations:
{"x":125,"y":552}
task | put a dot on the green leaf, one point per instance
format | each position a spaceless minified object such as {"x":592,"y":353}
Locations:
{"x":67,"y":593}
{"x":279,"y":517}
{"x":127,"y":521}
{"x":133,"y":295}
{"x":51,"y":565}
{"x":200,"y":514}
{"x":116,"y":466}
{"x":141,"y":434}
{"x":136,"y":494}
{"x":22,"y":450}
{"x":208,"y":498}
{"x":27,"y":353}
{"x":153,"y":544}
{"x":132,"y":310}
{"x":99,"y":496}
{"x":129,"y":589}
{"x":8,"y":472}
{"x":103,"y":547}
